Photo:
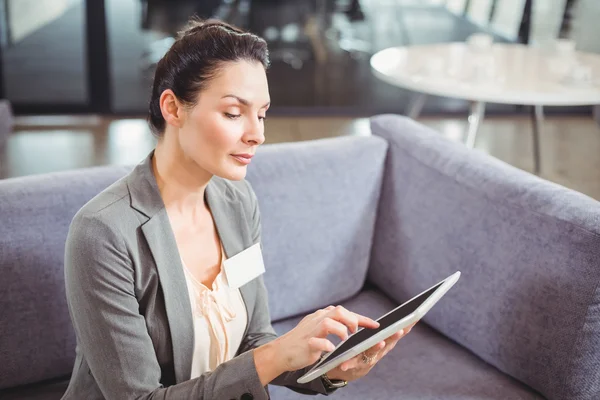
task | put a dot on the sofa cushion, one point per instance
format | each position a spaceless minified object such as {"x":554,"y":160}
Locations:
{"x":37,"y":341}
{"x":53,"y":390}
{"x":318,"y":201}
{"x":528,"y":301}
{"x":424,"y":365}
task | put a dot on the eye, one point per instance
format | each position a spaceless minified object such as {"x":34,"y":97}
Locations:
{"x":232,"y":116}
{"x":262,"y":118}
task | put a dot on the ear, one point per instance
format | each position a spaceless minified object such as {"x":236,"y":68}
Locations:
{"x":171,"y":108}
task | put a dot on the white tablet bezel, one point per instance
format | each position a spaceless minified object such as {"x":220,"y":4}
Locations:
{"x":405,"y":322}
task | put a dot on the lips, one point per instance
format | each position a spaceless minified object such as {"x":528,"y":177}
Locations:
{"x":243,"y":158}
{"x":245,"y":155}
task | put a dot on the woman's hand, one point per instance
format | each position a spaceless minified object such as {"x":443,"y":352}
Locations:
{"x":305,"y":344}
{"x":357,"y":367}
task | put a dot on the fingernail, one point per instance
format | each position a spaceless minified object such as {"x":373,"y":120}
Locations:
{"x":344,"y":368}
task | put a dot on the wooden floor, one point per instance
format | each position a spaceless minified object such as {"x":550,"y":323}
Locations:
{"x":570,"y":146}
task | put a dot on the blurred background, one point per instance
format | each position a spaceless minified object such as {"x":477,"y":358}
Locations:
{"x":75,"y":75}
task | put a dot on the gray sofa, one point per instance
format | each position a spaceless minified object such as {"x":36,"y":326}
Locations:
{"x":366,"y":222}
{"x":6,"y":120}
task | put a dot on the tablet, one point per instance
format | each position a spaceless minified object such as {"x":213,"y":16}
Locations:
{"x":364,"y":338}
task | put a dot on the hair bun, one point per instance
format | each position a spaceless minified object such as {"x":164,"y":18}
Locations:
{"x":196,"y":25}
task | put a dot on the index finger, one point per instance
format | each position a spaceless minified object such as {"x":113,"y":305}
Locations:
{"x":367,"y":322}
{"x":352,"y":320}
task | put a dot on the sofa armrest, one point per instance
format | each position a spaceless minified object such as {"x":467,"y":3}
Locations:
{"x":528,"y":301}
{"x":6,"y":120}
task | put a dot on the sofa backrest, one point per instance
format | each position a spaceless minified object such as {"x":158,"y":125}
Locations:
{"x":528,"y":301}
{"x":318,"y":203}
{"x":37,"y":341}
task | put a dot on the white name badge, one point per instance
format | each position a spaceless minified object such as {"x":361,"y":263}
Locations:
{"x":244,"y":266}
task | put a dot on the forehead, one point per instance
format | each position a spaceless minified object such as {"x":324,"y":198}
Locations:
{"x":245,"y":79}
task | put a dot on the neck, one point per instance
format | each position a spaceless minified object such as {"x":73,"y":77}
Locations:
{"x":181,"y":182}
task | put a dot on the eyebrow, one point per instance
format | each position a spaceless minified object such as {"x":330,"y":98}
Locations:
{"x":243,"y":101}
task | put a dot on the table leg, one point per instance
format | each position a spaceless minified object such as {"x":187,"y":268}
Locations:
{"x":475,"y":118}
{"x":537,"y":117}
{"x":416,"y":105}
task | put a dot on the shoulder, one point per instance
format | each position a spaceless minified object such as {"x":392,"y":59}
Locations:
{"x":100,"y":237}
{"x":102,"y":214}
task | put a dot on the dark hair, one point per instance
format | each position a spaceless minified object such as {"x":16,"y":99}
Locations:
{"x":195,"y":57}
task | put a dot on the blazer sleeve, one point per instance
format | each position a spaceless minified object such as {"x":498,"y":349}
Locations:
{"x":260,"y":330}
{"x":112,"y":334}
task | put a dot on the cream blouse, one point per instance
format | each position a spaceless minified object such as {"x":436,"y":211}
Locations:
{"x":220,"y":321}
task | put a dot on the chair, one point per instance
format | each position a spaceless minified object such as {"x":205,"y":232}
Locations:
{"x":456,"y":7}
{"x":507,"y":17}
{"x":479,"y":12}
{"x":341,"y":25}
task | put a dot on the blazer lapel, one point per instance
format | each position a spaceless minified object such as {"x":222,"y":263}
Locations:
{"x":146,"y":198}
{"x":229,"y":217}
{"x":232,"y":227}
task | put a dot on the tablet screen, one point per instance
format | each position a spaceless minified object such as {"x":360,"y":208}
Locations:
{"x":384,"y":322}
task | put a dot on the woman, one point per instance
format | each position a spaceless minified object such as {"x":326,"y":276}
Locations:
{"x":146,"y":260}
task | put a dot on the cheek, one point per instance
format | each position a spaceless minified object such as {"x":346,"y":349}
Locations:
{"x":222,"y":134}
{"x":210,"y":138}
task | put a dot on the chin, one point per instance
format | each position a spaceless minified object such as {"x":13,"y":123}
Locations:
{"x":234,"y":174}
{"x":230,"y":170}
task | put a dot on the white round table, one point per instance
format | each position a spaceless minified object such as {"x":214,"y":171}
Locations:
{"x":507,"y":74}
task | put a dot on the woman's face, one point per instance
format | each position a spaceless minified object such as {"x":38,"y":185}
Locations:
{"x":226,"y":126}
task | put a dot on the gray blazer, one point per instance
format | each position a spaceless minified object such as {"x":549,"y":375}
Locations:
{"x":128,"y":298}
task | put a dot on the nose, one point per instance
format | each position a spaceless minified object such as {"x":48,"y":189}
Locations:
{"x":254,"y":133}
